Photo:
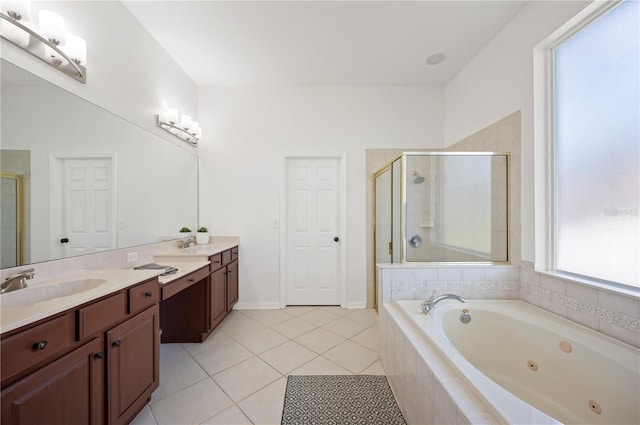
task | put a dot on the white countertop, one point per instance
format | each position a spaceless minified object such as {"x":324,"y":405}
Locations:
{"x":185,"y":260}
{"x":184,"y":268}
{"x":195,"y":252}
{"x":115,"y":280}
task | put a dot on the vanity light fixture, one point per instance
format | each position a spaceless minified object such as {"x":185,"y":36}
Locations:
{"x":187,"y":129}
{"x":47,"y":40}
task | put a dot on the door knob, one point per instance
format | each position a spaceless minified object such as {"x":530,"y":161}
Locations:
{"x":64,"y":240}
{"x":336,"y":239}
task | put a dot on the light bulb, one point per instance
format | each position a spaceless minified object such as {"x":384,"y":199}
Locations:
{"x":172,"y":115}
{"x":52,"y":27}
{"x":185,"y":122}
{"x":20,"y":10}
{"x":195,"y":127}
{"x":76,"y":49}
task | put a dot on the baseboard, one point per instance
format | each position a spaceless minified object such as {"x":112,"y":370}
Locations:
{"x":257,"y":306}
{"x":276,"y":306}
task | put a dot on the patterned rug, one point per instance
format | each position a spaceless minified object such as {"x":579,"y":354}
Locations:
{"x":340,"y":400}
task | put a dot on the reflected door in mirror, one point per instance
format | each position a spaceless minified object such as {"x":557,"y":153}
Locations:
{"x":88,"y":223}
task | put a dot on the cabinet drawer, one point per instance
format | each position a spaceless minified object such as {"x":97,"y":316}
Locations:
{"x":216,"y":262}
{"x":176,"y":286}
{"x":99,"y":315}
{"x":29,"y":347}
{"x":143,"y":296}
{"x":234,"y":253}
{"x":226,"y":257}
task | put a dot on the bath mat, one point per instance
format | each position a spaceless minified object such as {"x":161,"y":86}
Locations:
{"x":340,"y":400}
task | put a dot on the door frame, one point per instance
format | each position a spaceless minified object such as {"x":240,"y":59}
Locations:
{"x":55,"y":197}
{"x":19,"y":201}
{"x":342,"y":160}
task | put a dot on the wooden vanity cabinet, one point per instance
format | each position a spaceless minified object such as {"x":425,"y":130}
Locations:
{"x":97,"y":363}
{"x":69,"y":390}
{"x":133,"y":369}
{"x":232,"y":285}
{"x":217,"y":297}
{"x":224,"y":285}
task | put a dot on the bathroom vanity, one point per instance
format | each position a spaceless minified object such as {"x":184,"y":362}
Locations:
{"x":92,"y":356}
{"x":94,"y":363}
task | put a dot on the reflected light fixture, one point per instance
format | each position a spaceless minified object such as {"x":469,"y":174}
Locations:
{"x":47,"y":39}
{"x":184,"y":128}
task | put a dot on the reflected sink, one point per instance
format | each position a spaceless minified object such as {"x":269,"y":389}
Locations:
{"x":36,"y":294}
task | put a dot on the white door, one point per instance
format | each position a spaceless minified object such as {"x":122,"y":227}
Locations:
{"x":88,"y":222}
{"x":313,"y":275}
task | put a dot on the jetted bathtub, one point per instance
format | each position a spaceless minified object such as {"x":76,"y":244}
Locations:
{"x":532,"y":366}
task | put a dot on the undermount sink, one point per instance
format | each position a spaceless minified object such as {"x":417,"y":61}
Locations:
{"x":36,"y":294}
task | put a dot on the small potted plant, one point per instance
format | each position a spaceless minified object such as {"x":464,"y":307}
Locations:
{"x":202,"y":236}
{"x":185,"y":232}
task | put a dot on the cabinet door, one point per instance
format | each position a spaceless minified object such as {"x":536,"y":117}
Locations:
{"x":218,"y":299}
{"x":68,"y":391}
{"x":133,"y":365}
{"x":232,"y":284}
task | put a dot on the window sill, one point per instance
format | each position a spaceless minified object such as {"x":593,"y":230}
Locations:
{"x":592,"y":283}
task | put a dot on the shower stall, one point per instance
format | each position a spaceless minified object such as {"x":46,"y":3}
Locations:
{"x":443,"y":207}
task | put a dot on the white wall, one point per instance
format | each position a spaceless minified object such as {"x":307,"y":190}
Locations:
{"x":249,"y":130}
{"x":128,"y":72}
{"x":498,"y":82}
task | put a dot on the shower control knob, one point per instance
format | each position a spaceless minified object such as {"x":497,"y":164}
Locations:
{"x":336,"y":239}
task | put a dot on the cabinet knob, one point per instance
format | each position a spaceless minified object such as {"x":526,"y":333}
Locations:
{"x":99,"y":355}
{"x":116,"y":343}
{"x":39,"y":345}
{"x":148,"y":294}
{"x":191,"y":280}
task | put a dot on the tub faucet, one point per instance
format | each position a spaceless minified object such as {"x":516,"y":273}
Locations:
{"x":431,"y":303}
{"x":17,"y":281}
{"x":187,"y":243}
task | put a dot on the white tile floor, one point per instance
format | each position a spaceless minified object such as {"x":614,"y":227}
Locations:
{"x":238,"y":375}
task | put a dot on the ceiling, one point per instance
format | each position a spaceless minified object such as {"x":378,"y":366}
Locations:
{"x":230,"y":43}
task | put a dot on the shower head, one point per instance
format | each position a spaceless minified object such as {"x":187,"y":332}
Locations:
{"x":417,"y":178}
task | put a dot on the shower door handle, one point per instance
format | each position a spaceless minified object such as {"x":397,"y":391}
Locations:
{"x":336,"y":239}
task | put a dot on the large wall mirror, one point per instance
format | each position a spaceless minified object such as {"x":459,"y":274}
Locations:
{"x":90,"y":181}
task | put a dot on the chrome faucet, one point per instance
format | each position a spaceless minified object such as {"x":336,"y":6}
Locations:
{"x":17,"y":281}
{"x":431,"y":303}
{"x":187,"y":243}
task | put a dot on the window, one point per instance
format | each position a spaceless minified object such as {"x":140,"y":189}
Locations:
{"x":595,"y":77}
